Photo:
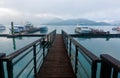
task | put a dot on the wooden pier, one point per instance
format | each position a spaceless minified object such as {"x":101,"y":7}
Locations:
{"x":56,"y":63}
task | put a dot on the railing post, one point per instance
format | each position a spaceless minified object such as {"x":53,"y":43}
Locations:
{"x":10,"y":68}
{"x":43,"y":50}
{"x":115,"y":74}
{"x":105,"y":70}
{"x":67,"y":42}
{"x":105,"y":67}
{"x":50,"y":39}
{"x":35,"y":64}
{"x":1,"y":66}
{"x":94,"y":69}
{"x":76,"y":61}
{"x":70,"y":48}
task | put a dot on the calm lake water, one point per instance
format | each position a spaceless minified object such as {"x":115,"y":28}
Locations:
{"x":96,"y":45}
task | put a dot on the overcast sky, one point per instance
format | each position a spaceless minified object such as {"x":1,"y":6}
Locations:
{"x":25,"y":10}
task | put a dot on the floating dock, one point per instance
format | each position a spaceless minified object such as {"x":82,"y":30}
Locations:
{"x":73,"y":35}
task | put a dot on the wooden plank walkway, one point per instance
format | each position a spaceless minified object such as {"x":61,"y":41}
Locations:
{"x":57,"y":63}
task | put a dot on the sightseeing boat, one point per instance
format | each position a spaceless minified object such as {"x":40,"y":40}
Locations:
{"x":18,"y":28}
{"x":87,"y":30}
{"x":116,"y":28}
{"x":82,"y":30}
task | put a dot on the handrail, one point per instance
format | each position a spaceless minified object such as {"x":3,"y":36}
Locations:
{"x":16,"y":53}
{"x":1,"y":65}
{"x":38,"y":49}
{"x":87,"y":52}
{"x":79,"y":49}
{"x":109,"y":66}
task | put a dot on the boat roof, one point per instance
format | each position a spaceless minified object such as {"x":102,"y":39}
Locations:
{"x":19,"y":26}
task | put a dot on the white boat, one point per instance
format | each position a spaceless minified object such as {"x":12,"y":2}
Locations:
{"x":2,"y":27}
{"x":18,"y":28}
{"x":83,"y":29}
{"x":116,"y":28}
{"x":29,"y":26}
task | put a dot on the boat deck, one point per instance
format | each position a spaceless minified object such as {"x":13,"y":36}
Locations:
{"x":57,"y":63}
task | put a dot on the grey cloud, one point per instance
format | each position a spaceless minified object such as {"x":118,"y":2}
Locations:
{"x":63,"y":8}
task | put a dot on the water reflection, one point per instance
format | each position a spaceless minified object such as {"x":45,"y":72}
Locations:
{"x":14,"y":44}
{"x":107,"y":39}
{"x":88,"y":38}
{"x":43,"y":31}
{"x":16,"y":40}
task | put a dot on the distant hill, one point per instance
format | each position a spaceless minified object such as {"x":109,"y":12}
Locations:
{"x":115,"y":23}
{"x":75,"y":22}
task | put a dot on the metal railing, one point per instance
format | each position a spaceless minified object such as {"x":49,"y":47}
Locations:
{"x":26,"y":61}
{"x":110,"y":67}
{"x":84,"y":63}
{"x":1,"y":65}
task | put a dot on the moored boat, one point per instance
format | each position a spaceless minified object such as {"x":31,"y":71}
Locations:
{"x":18,"y":28}
{"x":82,"y":30}
{"x":87,"y":30}
{"x":116,"y":28}
{"x":2,"y":27}
{"x":29,"y":26}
